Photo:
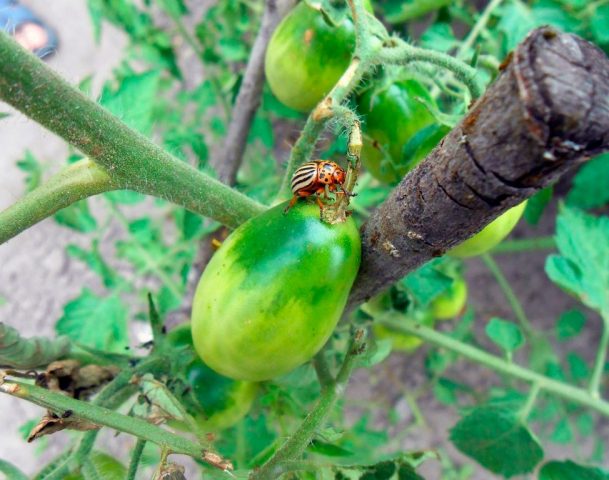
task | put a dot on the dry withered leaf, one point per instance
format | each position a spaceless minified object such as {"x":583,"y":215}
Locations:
{"x":52,"y":423}
{"x":69,"y":377}
{"x":171,"y":471}
{"x":217,"y":461}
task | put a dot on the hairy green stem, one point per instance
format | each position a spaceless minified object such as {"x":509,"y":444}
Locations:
{"x":601,"y":356}
{"x":102,"y":416}
{"x":128,"y":157}
{"x":568,"y":392}
{"x":136,"y":455}
{"x":530,"y":403}
{"x":77,"y":181}
{"x":89,"y":471}
{"x":295,"y":445}
{"x":525,"y":245}
{"x":305,"y":145}
{"x":11,"y":472}
{"x":401,"y":53}
{"x":416,"y":9}
{"x":478,"y":27}
{"x":515,"y":304}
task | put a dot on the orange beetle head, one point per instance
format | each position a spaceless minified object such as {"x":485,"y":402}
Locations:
{"x":339,"y":175}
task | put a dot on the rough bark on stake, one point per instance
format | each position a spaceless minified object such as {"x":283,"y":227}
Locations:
{"x":547,"y":111}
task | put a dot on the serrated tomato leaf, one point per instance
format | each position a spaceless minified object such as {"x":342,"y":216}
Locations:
{"x":495,"y":438}
{"x":94,"y":321}
{"x":569,"y":470}
{"x":506,"y":335}
{"x":582,"y":267}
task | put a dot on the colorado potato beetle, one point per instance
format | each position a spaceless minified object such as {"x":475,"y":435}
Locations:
{"x":317,"y":177}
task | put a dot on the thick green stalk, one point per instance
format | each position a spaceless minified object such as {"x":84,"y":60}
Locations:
{"x":401,"y":53}
{"x":128,"y":157}
{"x":296,"y":444}
{"x":136,"y":455}
{"x":102,"y":416}
{"x":601,"y":356}
{"x":75,"y":182}
{"x":568,"y":392}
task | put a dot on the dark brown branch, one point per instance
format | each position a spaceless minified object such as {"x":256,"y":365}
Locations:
{"x":547,"y":111}
{"x":227,"y":161}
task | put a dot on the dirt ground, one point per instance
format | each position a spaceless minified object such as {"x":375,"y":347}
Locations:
{"x":37,"y":277}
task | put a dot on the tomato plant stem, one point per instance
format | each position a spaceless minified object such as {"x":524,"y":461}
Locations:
{"x":530,"y":403}
{"x":136,"y":455}
{"x":295,"y":445}
{"x":510,"y":296}
{"x":601,"y":355}
{"x":75,"y":182}
{"x":568,"y":392}
{"x":525,"y":245}
{"x":401,"y":53}
{"x":127,"y":156}
{"x":103,"y":416}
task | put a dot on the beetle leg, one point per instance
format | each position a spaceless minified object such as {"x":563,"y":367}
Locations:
{"x":291,"y":204}
{"x":326,"y":191}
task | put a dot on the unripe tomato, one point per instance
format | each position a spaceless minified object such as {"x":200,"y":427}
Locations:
{"x":451,"y":302}
{"x":306,"y":56}
{"x":402,"y":342}
{"x":219,"y":402}
{"x":274,"y":292}
{"x":393,"y":116}
{"x":491,"y":235}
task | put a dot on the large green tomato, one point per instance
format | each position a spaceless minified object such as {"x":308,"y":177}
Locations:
{"x":491,"y":235}
{"x":274,"y":292}
{"x":450,"y":303}
{"x":393,"y":116}
{"x":306,"y":56}
{"x":219,"y":402}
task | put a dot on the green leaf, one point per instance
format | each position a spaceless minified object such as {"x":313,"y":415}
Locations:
{"x":33,"y":169}
{"x":598,"y":25}
{"x":28,"y":353}
{"x":427,"y":282}
{"x":4,"y":115}
{"x":589,"y":188}
{"x":95,"y":321}
{"x":585,"y":424}
{"x":582,"y":267}
{"x":125,"y":197}
{"x":537,"y":205}
{"x":96,"y":263}
{"x":505,"y":334}
{"x":262,"y":130}
{"x":439,"y":36}
{"x":569,"y":470}
{"x":496,"y":438}
{"x":77,"y":217}
{"x":11,"y":471}
{"x":562,"y":432}
{"x":578,"y":367}
{"x":570,"y":324}
{"x":328,"y":449}
{"x":134,"y":100}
